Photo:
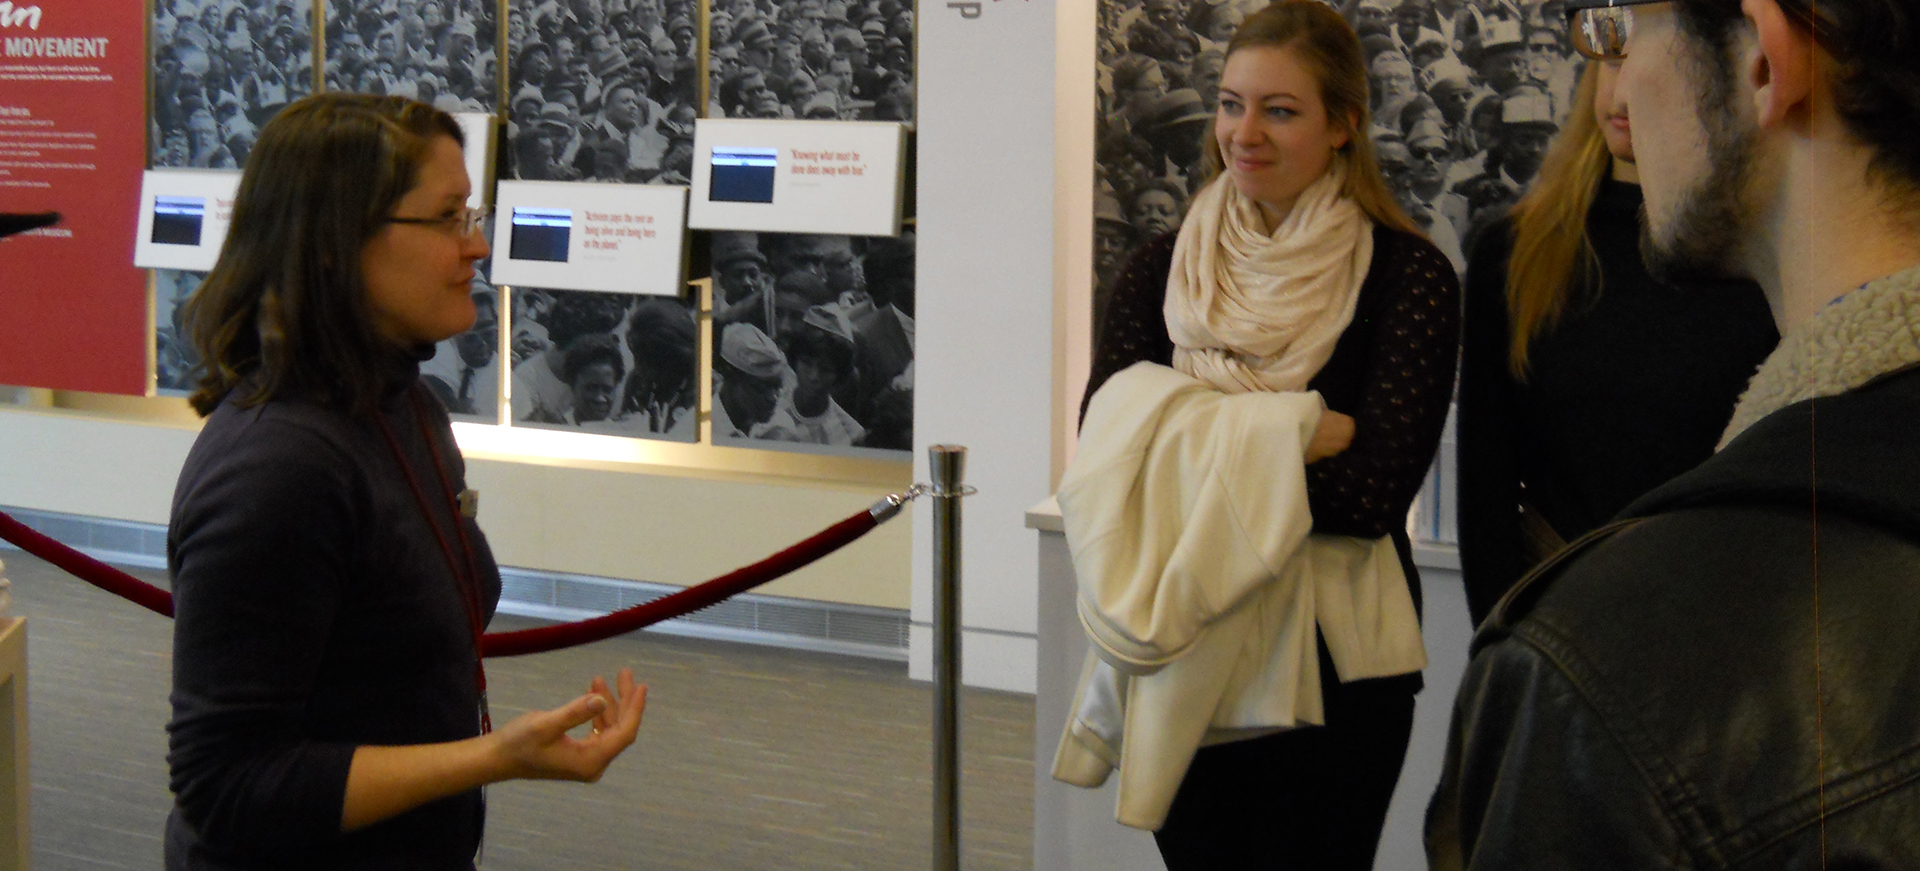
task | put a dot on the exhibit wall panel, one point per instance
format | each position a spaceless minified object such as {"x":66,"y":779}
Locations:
{"x":73,"y":310}
{"x":986,"y":301}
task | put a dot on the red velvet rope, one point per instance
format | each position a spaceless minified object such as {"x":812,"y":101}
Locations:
{"x":519,"y":643}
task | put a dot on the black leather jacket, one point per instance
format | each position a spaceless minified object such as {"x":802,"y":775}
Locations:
{"x":1731,"y":682}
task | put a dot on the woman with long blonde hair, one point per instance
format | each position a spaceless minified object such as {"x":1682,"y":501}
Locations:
{"x":1296,"y":270}
{"x":1584,"y":382}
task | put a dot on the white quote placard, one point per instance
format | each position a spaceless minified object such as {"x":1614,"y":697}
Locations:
{"x":184,"y":214}
{"x":777,"y":176}
{"x":619,"y":238}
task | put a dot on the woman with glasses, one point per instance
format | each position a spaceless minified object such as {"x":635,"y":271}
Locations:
{"x":1585,"y":382}
{"x":330,"y":582}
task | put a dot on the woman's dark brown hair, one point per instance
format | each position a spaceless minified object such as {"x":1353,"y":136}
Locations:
{"x":285,"y":308}
{"x":1328,"y":47}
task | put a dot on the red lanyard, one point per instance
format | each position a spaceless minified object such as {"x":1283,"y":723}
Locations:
{"x":468,"y":581}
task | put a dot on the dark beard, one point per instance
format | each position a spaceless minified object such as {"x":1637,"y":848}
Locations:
{"x":1705,"y":237}
{"x":1704,"y":240}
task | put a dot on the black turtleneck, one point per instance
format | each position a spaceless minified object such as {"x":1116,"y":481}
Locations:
{"x":1633,"y":387}
{"x":315,"y":612}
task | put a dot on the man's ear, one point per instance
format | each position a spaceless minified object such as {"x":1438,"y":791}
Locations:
{"x":1779,"y":64}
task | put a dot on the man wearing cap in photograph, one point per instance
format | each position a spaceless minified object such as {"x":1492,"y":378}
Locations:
{"x":1519,"y":144}
{"x":1428,"y":49}
{"x":742,"y":282}
{"x":823,"y":105}
{"x":756,"y":44}
{"x":1503,"y":62}
{"x":523,"y":112}
{"x":557,"y":125}
{"x":751,"y":382}
{"x":1175,"y":125}
{"x":851,"y":47}
{"x":1112,"y":238}
{"x":1450,"y":85}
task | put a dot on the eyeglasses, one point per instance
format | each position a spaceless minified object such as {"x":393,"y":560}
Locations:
{"x":1600,"y":29}
{"x":461,"y":224}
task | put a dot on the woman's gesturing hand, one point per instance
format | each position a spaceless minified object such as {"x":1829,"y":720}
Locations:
{"x":1333,"y":435}
{"x":536,"y":744}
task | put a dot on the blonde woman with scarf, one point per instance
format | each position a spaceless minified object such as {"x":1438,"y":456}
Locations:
{"x":1296,"y":271}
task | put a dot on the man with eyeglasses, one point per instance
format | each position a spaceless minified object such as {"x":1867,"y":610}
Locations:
{"x":1728,"y":677}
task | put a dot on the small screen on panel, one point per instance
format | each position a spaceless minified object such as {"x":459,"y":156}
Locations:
{"x":540,"y":234}
{"x":743,"y":175}
{"x":177,"y":220}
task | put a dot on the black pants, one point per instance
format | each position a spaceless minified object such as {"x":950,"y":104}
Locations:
{"x":1310,"y":798}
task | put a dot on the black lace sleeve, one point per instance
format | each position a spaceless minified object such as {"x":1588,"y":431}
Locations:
{"x":1133,"y":328}
{"x":1365,"y":491}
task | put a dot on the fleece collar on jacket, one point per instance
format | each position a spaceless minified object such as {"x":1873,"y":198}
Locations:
{"x":1859,"y":337}
{"x":1829,"y":423}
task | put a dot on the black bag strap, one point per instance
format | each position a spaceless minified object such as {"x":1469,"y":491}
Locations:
{"x":1520,"y":599}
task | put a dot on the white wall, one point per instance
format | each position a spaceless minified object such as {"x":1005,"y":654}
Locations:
{"x":596,"y":517}
{"x":984,"y":367}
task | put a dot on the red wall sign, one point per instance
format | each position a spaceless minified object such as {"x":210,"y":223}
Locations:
{"x":73,"y":309}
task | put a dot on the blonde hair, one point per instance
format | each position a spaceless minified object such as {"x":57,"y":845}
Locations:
{"x":1552,"y":255}
{"x":1327,"y":45}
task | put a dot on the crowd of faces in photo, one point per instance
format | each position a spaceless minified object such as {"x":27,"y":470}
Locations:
{"x":221,"y":68}
{"x":174,"y":359}
{"x":613,"y":363}
{"x":829,"y":60}
{"x":440,"y":52}
{"x":464,"y":371}
{"x":602,"y":90}
{"x":814,"y":340}
{"x":1466,"y":95}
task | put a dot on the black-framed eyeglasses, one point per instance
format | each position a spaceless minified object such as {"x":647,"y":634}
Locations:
{"x":461,"y":224}
{"x":1600,"y":29}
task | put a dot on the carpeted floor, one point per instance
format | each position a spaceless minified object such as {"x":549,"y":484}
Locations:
{"x":750,"y":758}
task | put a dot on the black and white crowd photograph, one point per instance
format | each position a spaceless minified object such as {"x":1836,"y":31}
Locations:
{"x":440,"y":52}
{"x":607,"y":363}
{"x":221,"y":68}
{"x":602,"y":90}
{"x":174,"y":360}
{"x":464,"y":371}
{"x":1466,"y":96}
{"x":813,"y":342}
{"x":830,"y":60}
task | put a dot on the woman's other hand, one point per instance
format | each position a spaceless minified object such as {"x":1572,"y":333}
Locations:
{"x":536,"y":744}
{"x":1333,"y":435}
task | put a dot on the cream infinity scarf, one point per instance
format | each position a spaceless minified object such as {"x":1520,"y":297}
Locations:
{"x":1248,"y":311}
{"x":1861,"y":336}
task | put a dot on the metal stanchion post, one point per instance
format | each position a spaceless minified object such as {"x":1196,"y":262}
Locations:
{"x":948,"y":464}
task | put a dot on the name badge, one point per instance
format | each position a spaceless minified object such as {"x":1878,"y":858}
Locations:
{"x":470,"y":504}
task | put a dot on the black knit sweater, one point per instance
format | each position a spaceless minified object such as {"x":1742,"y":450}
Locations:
{"x":1391,"y":370}
{"x":1633,"y":387}
{"x":316,"y":612}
